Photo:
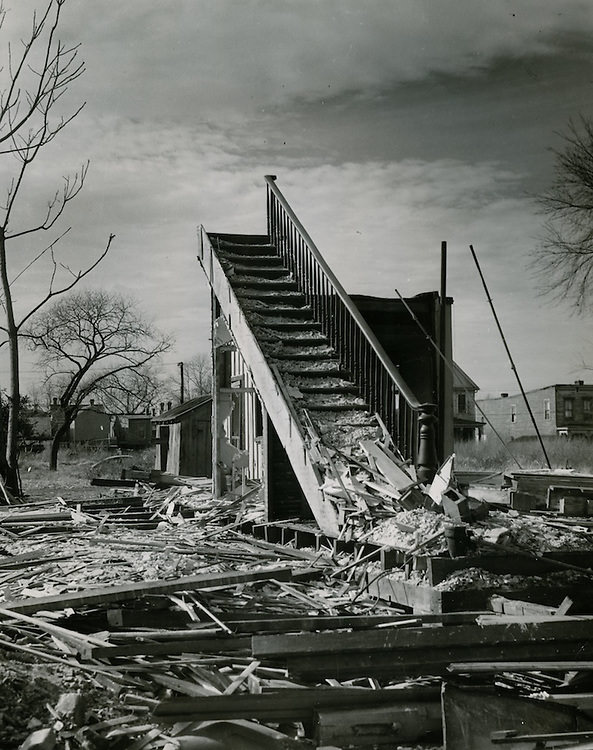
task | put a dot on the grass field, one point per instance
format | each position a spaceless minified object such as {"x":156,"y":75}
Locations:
{"x":564,"y":453}
{"x":76,"y":468}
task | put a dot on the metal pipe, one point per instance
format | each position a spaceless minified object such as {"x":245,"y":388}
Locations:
{"x":508,"y":351}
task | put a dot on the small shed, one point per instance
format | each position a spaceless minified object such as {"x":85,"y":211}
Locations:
{"x":184,"y":438}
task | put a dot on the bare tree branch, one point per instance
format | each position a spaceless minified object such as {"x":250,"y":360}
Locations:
{"x":563,"y":261}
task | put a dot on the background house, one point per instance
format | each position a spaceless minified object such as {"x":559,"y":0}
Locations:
{"x":466,"y":424}
{"x":91,"y":425}
{"x":562,"y":409}
{"x":184,"y":438}
{"x":131,"y":430}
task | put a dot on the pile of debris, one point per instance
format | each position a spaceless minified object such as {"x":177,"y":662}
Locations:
{"x":158,"y":616}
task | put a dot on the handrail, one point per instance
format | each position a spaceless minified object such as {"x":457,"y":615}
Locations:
{"x":346,"y":300}
{"x":410,"y":422}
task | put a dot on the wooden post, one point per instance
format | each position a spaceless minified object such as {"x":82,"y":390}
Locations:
{"x":216,"y":366}
{"x":427,"y":463}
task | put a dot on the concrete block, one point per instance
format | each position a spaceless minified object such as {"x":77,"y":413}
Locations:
{"x":41,"y":739}
{"x":71,"y":707}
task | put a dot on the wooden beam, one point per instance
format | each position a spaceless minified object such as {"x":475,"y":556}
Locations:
{"x":554,"y":630}
{"x":212,"y":645}
{"x":430,"y":661}
{"x":287,"y":704}
{"x":130,"y":591}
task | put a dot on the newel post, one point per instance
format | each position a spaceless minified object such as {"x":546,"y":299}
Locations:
{"x":427,"y":462}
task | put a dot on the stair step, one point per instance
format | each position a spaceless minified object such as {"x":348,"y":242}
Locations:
{"x":312,"y":389}
{"x":283,"y":317}
{"x":303,"y":356}
{"x":269,"y":338}
{"x":308,"y":369}
{"x":263,"y":272}
{"x":266,"y":310}
{"x":271,"y":296}
{"x":248,"y":283}
{"x":333,"y":402}
{"x":241,"y":239}
{"x":271,"y":260}
{"x":303,"y":336}
{"x":293,"y":325}
{"x":243,"y":245}
{"x":246,"y":251}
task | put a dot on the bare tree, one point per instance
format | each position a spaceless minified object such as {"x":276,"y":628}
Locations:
{"x":87,"y":339}
{"x":198,"y":373}
{"x":564,"y":259}
{"x":38,"y":73}
{"x":130,"y":392}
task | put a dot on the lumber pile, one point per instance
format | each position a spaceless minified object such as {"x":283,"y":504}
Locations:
{"x":212,"y":626}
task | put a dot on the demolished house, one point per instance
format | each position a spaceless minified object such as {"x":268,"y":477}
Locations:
{"x":340,"y":586}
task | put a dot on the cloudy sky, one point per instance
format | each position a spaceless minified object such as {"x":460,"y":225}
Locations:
{"x":391,"y":125}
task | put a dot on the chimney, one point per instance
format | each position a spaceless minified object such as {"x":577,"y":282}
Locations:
{"x":161,"y":407}
{"x":169,"y":405}
{"x":504,"y":395}
{"x":579,"y":382}
{"x":92,"y":402}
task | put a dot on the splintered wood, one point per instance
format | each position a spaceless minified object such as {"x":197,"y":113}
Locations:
{"x":205,"y":622}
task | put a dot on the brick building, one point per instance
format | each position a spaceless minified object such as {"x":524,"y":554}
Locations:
{"x":562,"y":409}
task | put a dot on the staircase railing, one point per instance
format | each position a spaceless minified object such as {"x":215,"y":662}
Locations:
{"x":411,"y":424}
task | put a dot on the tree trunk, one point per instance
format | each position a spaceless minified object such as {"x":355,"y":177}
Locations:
{"x":63,"y":430}
{"x":12,"y":479}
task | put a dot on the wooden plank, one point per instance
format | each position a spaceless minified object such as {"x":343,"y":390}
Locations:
{"x":400,"y":479}
{"x":129,"y":591}
{"x":287,"y":704}
{"x":522,"y":666}
{"x":518,"y":607}
{"x":406,"y":663}
{"x":291,"y":624}
{"x":554,"y":629}
{"x":213,"y":645}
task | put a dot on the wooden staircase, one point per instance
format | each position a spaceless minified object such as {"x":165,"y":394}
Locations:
{"x":292,"y":341}
{"x":321,"y":374}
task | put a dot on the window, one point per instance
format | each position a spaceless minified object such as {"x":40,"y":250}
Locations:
{"x":547,"y":414}
{"x":513,"y":413}
{"x":588,"y":408}
{"x":568,"y":408}
{"x":461,"y":403}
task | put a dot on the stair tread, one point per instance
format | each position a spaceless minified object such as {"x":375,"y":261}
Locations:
{"x":338,"y":401}
{"x":256,"y":271}
{"x":304,"y":356}
{"x":247,"y":239}
{"x":291,"y":293}
{"x":254,"y":282}
{"x":249,"y":261}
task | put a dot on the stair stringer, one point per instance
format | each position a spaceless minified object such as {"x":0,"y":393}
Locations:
{"x":270,"y":391}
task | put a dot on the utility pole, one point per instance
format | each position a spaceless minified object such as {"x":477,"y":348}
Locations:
{"x":182,"y":384}
{"x":444,"y":405}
